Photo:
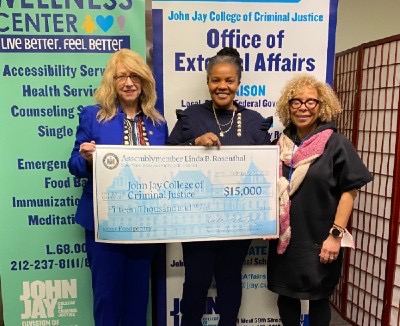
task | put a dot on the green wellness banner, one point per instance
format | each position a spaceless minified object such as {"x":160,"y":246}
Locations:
{"x":52,"y":55}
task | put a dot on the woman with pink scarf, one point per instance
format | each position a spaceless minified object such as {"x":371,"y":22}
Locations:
{"x":320,"y":172}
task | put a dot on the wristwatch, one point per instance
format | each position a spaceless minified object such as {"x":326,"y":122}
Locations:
{"x":336,"y":232}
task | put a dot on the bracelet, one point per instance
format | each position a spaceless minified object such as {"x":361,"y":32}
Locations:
{"x":339,"y":227}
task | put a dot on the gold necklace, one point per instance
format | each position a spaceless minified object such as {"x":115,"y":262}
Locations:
{"x":230,"y":123}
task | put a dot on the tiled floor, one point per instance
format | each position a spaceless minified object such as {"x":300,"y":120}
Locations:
{"x":337,"y":320}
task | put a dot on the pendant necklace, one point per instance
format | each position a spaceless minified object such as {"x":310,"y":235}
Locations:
{"x":230,"y":122}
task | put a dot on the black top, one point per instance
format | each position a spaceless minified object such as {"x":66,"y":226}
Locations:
{"x":298,"y":272}
{"x":199,"y":119}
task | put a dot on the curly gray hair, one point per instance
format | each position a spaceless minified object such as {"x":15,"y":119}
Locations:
{"x":330,"y":106}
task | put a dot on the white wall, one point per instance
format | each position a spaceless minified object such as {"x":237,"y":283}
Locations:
{"x":362,"y":21}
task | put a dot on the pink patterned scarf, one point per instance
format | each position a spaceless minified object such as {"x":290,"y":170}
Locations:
{"x":300,"y":160}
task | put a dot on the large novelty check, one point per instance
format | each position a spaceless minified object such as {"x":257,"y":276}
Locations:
{"x":185,"y":193}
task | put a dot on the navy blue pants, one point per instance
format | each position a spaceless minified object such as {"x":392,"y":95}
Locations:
{"x":203,"y":260}
{"x":120,"y":281}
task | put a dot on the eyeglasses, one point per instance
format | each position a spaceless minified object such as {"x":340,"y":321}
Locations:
{"x":121,"y":79}
{"x":310,"y":103}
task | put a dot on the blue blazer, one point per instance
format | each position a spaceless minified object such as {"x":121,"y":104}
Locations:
{"x":104,"y":133}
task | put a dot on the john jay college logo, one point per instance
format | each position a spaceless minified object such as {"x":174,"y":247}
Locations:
{"x":110,"y":161}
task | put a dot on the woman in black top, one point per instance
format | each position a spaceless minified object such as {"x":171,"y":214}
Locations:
{"x":320,"y":172}
{"x":219,"y":121}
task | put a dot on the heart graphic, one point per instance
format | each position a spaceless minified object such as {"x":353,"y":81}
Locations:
{"x":105,"y":23}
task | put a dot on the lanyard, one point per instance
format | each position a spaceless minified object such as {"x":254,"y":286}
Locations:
{"x":291,"y":159}
{"x":291,"y":165}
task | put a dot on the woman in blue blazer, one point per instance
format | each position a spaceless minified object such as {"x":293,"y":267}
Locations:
{"x":125,"y":115}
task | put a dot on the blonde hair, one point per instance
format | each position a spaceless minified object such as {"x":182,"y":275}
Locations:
{"x":106,"y":94}
{"x":329,"y":104}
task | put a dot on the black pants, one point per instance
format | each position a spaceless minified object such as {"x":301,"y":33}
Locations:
{"x":203,"y":260}
{"x":290,"y":310}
